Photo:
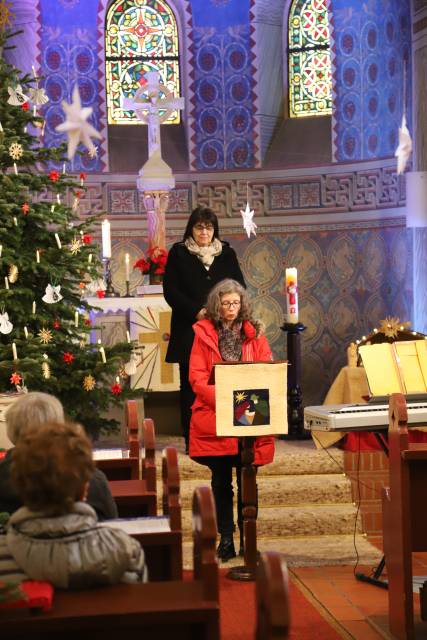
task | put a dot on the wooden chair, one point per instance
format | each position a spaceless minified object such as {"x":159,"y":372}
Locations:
{"x":272,"y":599}
{"x":135,"y":498}
{"x":163,"y":610}
{"x":404,"y":518}
{"x":123,"y":464}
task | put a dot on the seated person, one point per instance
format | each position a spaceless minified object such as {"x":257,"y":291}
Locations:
{"x":36,"y":409}
{"x":55,"y":537}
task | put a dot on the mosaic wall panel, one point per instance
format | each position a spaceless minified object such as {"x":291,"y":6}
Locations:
{"x":372,"y":41}
{"x":68,"y":56}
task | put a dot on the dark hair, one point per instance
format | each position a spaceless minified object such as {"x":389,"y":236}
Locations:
{"x":51,"y":464}
{"x":213,"y":304}
{"x":201,"y":214}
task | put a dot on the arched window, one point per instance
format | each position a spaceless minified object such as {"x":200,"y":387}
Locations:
{"x":140,"y":36}
{"x":310,"y":77}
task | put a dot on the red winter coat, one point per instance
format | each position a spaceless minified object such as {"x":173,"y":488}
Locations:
{"x":204,"y":354}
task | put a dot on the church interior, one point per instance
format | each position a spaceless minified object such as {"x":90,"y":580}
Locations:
{"x":302,"y":125}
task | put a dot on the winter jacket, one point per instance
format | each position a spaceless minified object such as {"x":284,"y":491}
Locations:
{"x":99,"y":494}
{"x":205,"y":353}
{"x":73,"y":551}
{"x":186,"y":284}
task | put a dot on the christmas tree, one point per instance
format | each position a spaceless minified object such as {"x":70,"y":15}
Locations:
{"x":48,"y":259}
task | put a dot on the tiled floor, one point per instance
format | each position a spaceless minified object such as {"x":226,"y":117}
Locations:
{"x":348,"y":600}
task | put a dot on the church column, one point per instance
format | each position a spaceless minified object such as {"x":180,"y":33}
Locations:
{"x":419,"y":49}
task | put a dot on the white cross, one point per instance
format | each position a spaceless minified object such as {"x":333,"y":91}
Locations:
{"x":153,"y":104}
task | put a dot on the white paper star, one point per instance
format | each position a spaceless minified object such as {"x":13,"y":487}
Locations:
{"x":404,"y":148}
{"x":76,"y":125}
{"x":248,"y":223}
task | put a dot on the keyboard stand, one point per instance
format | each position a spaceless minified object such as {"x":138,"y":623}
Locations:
{"x":375,"y":577}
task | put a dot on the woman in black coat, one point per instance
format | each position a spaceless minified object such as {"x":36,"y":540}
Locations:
{"x":194,"y":266}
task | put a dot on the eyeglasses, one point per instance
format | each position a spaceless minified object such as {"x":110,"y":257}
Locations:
{"x":230,"y":303}
{"x":203,"y":227}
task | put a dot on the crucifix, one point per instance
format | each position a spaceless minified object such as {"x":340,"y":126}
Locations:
{"x":160,"y":339}
{"x":153,"y":104}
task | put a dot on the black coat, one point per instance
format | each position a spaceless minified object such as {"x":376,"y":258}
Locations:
{"x":186,"y":284}
{"x":99,"y":495}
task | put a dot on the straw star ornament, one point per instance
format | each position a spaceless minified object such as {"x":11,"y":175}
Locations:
{"x":76,"y":125}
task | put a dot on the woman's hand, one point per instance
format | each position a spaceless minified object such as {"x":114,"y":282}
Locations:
{"x":201,"y":314}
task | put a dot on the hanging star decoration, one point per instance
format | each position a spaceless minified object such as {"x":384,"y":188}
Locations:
{"x":54,"y":175}
{"x":67,"y":357}
{"x":15,"y":378}
{"x":248,"y":223}
{"x":16,"y":151}
{"x":390,"y":326}
{"x":116,"y":389}
{"x":13,"y":273}
{"x":45,"y":335}
{"x":25,"y":208}
{"x":86,"y":238}
{"x":93,"y":152}
{"x":75,"y":246}
{"x":76,"y":125}
{"x":6,"y":14}
{"x":89,"y":383}
{"x":404,"y":148}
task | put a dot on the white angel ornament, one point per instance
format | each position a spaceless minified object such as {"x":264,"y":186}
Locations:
{"x":38,"y":96}
{"x":52,"y":294}
{"x":5,"y":325}
{"x":16,"y":96}
{"x":248,"y":223}
{"x":130,"y":367}
{"x":404,"y":148}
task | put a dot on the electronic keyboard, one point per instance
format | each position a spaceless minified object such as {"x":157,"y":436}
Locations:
{"x":359,"y":417}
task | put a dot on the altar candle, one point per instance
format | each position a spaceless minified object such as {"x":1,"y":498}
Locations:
{"x":106,"y":239}
{"x":26,"y":332}
{"x":127,"y":266}
{"x":291,"y":291}
{"x":58,"y":241}
{"x":76,"y":319}
{"x":102,"y":352}
{"x":14,"y":351}
{"x":6,"y":282}
{"x":37,"y":256}
{"x":34,"y":307}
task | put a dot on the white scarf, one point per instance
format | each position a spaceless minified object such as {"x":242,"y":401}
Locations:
{"x":207,"y":254}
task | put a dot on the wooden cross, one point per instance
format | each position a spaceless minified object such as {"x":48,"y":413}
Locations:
{"x":161,"y":339}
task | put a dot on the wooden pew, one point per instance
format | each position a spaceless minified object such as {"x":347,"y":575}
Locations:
{"x":272,"y":600}
{"x":404,"y":517}
{"x":163,"y":610}
{"x":161,"y":537}
{"x":123,"y":464}
{"x":136,"y":498}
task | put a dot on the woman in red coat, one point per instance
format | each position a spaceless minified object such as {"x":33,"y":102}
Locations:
{"x":228,"y":333}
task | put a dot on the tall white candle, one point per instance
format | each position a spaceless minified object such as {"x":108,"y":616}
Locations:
{"x":106,"y":239}
{"x":15,"y":168}
{"x":26,"y":332}
{"x":58,"y":241}
{"x":127,"y":266}
{"x":15,"y":221}
{"x":89,"y":259}
{"x":6,"y":282}
{"x":76,"y":319}
{"x":102,"y":352}
{"x":34,"y":307}
{"x":1,"y":249}
{"x":14,"y":351}
{"x":37,"y":256}
{"x":291,"y":291}
{"x":58,"y":198}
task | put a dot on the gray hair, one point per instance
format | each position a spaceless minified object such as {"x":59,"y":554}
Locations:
{"x":32,"y":410}
{"x":213,"y":304}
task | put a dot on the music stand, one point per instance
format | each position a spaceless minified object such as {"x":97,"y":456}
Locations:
{"x":250,"y":401}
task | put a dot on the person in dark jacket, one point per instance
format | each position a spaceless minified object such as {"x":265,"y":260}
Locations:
{"x":194,"y":266}
{"x":35,"y":409}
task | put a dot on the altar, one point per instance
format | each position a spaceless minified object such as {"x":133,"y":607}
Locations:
{"x":145,"y":319}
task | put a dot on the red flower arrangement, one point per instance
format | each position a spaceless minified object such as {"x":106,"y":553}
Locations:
{"x":156,"y":263}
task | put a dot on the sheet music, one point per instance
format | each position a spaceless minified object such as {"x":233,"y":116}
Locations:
{"x":110,"y":454}
{"x":135,"y":526}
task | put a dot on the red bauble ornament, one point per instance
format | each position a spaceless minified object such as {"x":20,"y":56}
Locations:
{"x":68,"y":357}
{"x":116,"y":389}
{"x":56,"y":324}
{"x":87,"y":239}
{"x":54,"y":176}
{"x":25,"y":106}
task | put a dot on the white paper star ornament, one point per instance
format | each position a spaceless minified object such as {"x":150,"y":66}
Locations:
{"x":52,"y":294}
{"x":248,"y":223}
{"x":76,"y":125}
{"x":404,"y":148}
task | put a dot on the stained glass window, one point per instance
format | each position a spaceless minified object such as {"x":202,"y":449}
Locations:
{"x":310,"y":77}
{"x":140,"y":36}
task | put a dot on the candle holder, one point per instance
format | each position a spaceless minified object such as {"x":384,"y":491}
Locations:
{"x":295,"y":410}
{"x":128,"y":293}
{"x":110,"y":292}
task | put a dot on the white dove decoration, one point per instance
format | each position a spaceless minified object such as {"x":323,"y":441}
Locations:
{"x":52,"y":294}
{"x":404,"y":148}
{"x":16,"y":96}
{"x":76,"y":125}
{"x":5,"y":325}
{"x":248,"y":223}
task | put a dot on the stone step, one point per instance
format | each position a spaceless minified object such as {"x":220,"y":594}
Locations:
{"x":301,"y":520}
{"x":285,"y":490}
{"x":308,"y":551}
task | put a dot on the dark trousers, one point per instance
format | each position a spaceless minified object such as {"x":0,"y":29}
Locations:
{"x":186,"y":399}
{"x":222,"y":488}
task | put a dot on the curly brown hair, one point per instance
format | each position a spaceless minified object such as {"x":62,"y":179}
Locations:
{"x":51,"y":465}
{"x":213,"y":304}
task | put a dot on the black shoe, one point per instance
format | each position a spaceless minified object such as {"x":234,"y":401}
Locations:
{"x":226,"y":549}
